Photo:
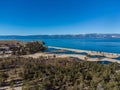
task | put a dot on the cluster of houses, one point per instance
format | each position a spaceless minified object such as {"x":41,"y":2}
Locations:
{"x":5,"y":50}
{"x":6,"y":45}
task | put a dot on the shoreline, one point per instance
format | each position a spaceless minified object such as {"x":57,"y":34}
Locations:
{"x":108,"y":56}
{"x":87,"y":51}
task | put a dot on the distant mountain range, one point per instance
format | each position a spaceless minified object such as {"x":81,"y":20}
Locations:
{"x":64,"y":36}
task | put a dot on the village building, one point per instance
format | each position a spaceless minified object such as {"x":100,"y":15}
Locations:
{"x":5,"y":50}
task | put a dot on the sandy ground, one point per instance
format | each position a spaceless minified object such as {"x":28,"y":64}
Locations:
{"x":9,"y":88}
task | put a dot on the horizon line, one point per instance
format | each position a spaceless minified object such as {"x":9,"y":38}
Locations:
{"x":58,"y":34}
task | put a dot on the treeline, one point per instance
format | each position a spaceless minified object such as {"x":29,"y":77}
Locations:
{"x":29,"y":48}
{"x":60,"y":74}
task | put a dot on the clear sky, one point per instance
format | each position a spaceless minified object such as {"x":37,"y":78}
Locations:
{"x":27,"y":17}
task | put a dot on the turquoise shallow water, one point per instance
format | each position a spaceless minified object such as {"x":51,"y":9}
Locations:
{"x":96,"y":44}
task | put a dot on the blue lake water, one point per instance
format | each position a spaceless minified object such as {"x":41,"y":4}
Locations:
{"x":104,"y":62}
{"x":96,"y":44}
{"x":56,"y":51}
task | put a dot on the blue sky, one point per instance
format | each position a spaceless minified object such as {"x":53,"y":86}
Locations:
{"x":33,"y":17}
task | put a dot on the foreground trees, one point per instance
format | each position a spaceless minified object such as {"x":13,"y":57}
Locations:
{"x":60,"y":74}
{"x":3,"y":78}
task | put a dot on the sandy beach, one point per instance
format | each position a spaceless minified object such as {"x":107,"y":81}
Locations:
{"x":107,"y":56}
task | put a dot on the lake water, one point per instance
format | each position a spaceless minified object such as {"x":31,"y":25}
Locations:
{"x":96,"y":44}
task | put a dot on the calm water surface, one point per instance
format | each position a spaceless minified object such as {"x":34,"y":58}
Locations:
{"x":97,"y":44}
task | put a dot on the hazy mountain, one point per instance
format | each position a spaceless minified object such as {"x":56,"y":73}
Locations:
{"x":64,"y":36}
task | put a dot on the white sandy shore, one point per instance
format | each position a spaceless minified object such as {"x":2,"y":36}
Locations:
{"x":88,"y":51}
{"x":108,"y":56}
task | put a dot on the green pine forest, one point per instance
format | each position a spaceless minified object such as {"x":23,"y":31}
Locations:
{"x":59,"y":74}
